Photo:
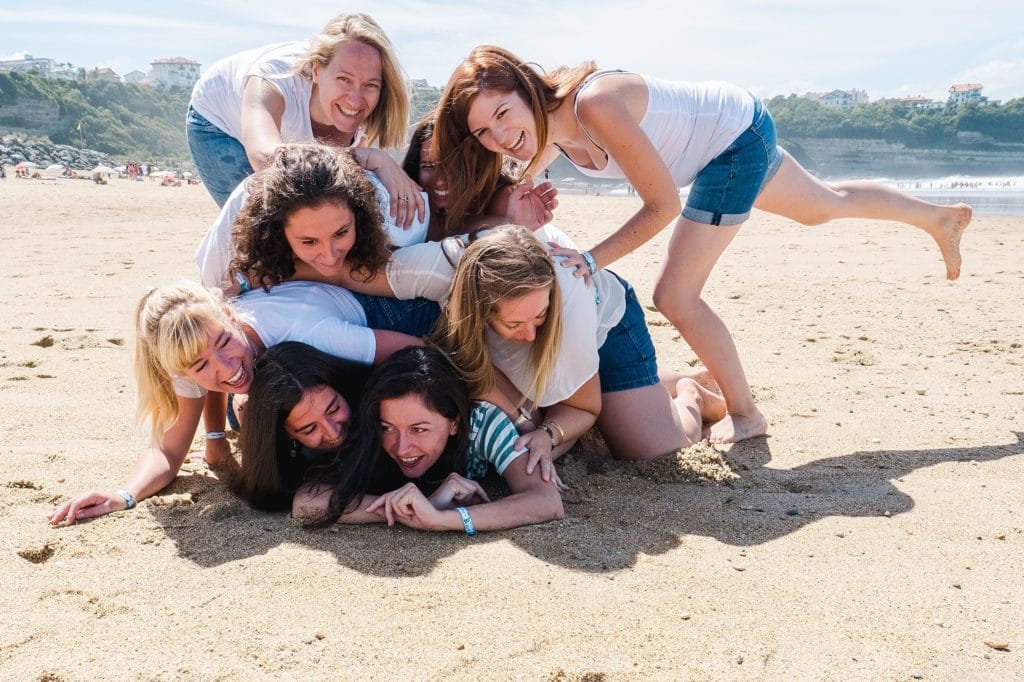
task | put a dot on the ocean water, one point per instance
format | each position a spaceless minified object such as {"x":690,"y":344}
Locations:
{"x":993,"y":195}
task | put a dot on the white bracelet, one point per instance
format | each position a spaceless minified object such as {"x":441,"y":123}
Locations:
{"x":129,"y":499}
{"x":215,"y":435}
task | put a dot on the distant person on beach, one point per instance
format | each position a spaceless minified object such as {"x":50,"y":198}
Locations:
{"x":345,"y":88}
{"x":419,"y":446}
{"x":660,"y":136}
{"x":189,"y":343}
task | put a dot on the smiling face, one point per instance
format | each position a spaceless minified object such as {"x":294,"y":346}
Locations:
{"x":517,"y":319}
{"x":413,"y":434}
{"x":320,"y":420}
{"x":322,"y":236}
{"x":503,"y":123}
{"x":348,"y":88}
{"x":225,"y":365}
{"x":431,"y":179}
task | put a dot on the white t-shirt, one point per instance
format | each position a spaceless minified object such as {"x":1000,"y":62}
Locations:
{"x":324,"y":316}
{"x":424,"y":270}
{"x":215,"y":251}
{"x":217,"y":95}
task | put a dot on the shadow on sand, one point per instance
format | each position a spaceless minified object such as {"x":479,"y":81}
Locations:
{"x":612,"y":514}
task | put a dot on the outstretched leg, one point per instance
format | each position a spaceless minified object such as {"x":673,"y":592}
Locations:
{"x":692,"y":253}
{"x":796,"y":194}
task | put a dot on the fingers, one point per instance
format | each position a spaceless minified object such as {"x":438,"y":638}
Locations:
{"x":58,"y":514}
{"x":421,"y":205}
{"x":547,"y":469}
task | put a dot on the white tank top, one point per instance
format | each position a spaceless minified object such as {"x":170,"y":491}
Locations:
{"x":688,"y":123}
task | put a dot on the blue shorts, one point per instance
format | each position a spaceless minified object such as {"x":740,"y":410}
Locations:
{"x":415,"y":317}
{"x":220,"y":159}
{"x":724,"y":191}
{"x":627,"y":357}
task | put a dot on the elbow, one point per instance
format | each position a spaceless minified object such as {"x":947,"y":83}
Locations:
{"x":554,"y":509}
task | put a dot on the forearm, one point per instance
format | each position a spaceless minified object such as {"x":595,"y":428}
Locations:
{"x":566,"y":424}
{"x":638,"y":230}
{"x":536,"y":505}
{"x":154,"y":471}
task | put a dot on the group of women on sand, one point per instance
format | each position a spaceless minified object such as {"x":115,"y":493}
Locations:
{"x":400,"y":331}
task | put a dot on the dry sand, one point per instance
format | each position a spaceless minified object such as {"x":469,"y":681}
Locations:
{"x":876,"y":534}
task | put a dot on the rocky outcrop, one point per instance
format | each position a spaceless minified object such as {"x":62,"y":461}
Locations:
{"x":14,"y":149}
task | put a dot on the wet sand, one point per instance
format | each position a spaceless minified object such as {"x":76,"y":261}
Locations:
{"x":878,"y":532}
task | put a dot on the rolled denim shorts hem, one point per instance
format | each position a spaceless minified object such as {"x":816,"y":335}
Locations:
{"x":724,"y":191}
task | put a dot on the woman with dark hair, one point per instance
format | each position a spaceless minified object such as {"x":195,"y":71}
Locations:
{"x":300,"y":405}
{"x":417,"y":427}
{"x":512,"y":202}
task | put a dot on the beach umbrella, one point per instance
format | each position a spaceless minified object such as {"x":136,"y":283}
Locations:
{"x":54,"y":170}
{"x":27,"y":165}
{"x":187,"y":175}
{"x":103,"y":169}
{"x":160,"y":174}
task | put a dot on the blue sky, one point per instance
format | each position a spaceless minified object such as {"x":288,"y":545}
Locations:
{"x":887,"y":47}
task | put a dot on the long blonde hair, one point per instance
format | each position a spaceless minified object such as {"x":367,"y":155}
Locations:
{"x":508,"y":262}
{"x":387,"y":122}
{"x":472,"y":172}
{"x":171,"y":324}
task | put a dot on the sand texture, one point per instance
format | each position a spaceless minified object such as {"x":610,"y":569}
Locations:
{"x":877,"y":534}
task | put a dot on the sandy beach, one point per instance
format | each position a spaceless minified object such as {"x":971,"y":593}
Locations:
{"x":876,"y":534}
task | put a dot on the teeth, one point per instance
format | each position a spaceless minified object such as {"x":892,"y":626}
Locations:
{"x":519,"y":142}
{"x":237,"y":376}
{"x":440,"y":192}
{"x":409,"y":460}
{"x":348,"y":112}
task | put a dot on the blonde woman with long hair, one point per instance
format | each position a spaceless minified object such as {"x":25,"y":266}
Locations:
{"x":190,"y":342}
{"x":344,"y":88}
{"x":556,"y":353}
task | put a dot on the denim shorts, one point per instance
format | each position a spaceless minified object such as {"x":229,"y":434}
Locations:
{"x":725,"y":189}
{"x":415,"y":317}
{"x":220,"y":159}
{"x":627,"y":358}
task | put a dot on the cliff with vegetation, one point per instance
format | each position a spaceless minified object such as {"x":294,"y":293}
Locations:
{"x":877,"y":139}
{"x":122,"y":120}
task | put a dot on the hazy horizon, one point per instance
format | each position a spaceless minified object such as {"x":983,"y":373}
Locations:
{"x":773,"y":47}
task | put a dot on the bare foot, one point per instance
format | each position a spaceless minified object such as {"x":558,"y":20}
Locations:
{"x":703,"y":377}
{"x":947,"y":233}
{"x":736,"y":427}
{"x":712,"y":405}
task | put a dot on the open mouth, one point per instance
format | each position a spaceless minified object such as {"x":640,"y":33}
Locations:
{"x":347,"y":112}
{"x":519,"y":142}
{"x":440,"y":193}
{"x":409,"y":462}
{"x":238,"y":377}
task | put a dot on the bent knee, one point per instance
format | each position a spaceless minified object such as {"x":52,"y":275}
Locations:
{"x":675,"y":304}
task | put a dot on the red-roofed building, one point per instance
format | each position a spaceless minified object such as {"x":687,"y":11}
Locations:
{"x":176,"y":72}
{"x":961,"y":93}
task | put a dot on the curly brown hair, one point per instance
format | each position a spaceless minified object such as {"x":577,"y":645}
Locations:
{"x":305,"y":176}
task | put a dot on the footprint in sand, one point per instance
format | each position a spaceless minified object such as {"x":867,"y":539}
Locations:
{"x":38,"y":555}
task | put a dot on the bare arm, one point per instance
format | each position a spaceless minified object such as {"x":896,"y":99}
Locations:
{"x":154,"y":471}
{"x":310,"y":501}
{"x":262,"y":109}
{"x":389,"y":342}
{"x":575,"y":415}
{"x":603,"y":110}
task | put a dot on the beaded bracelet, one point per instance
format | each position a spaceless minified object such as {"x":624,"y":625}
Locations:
{"x":589,"y":260}
{"x":215,"y":435}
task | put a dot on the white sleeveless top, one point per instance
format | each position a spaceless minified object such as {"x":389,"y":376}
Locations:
{"x":217,"y":96}
{"x":689,"y":123}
